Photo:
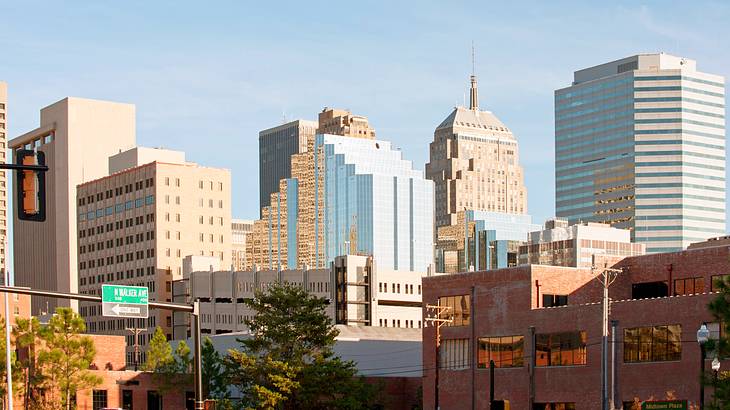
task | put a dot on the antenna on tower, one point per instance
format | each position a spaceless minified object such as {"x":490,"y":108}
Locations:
{"x":473,"y":96}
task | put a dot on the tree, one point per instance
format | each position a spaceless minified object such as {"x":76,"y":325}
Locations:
{"x":214,"y":383}
{"x":720,"y":309}
{"x":170,"y":370}
{"x":67,"y":355}
{"x":27,"y":335}
{"x":15,"y":368}
{"x":289,"y":362}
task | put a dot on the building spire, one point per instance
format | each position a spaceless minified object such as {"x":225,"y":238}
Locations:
{"x":473,"y":93}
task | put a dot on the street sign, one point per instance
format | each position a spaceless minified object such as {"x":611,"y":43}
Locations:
{"x":665,"y":405}
{"x":124,"y":301}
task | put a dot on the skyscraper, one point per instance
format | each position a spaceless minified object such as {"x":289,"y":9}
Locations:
{"x":276,"y":146}
{"x":474,"y":163}
{"x":348,"y":194}
{"x":640,"y":144}
{"x":239,"y":230}
{"x":77,"y":136}
{"x":3,"y":179}
{"x":137,"y":224}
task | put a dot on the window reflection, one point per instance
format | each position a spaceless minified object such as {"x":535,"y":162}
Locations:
{"x":560,"y":349}
{"x":506,"y":351}
{"x":653,"y":344}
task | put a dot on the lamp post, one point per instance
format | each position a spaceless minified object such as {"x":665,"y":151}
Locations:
{"x":715,"y":367}
{"x":703,"y":334}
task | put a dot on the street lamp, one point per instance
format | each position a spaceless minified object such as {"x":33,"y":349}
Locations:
{"x":716,"y":367}
{"x":703,"y":334}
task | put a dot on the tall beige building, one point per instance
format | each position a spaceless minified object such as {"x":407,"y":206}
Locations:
{"x":240,"y":228}
{"x":77,"y":136}
{"x":474,"y":163}
{"x":136,"y":226}
{"x":342,"y":122}
{"x":3,"y":178}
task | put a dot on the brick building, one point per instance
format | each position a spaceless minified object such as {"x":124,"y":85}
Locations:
{"x":542,"y":327}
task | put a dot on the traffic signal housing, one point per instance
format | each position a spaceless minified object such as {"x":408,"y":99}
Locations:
{"x":31,"y":186}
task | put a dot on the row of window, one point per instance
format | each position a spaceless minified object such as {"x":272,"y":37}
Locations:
{"x":122,"y":224}
{"x":108,"y":277}
{"x":121,"y":258}
{"x":110,"y":243}
{"x":117,"y":208}
{"x":641,"y":344}
{"x":108,"y":194}
{"x":411,"y":324}
{"x":395,"y":288}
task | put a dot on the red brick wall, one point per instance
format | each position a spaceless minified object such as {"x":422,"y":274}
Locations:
{"x":505,"y":305}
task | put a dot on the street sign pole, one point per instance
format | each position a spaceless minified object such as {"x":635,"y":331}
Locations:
{"x":180,"y":307}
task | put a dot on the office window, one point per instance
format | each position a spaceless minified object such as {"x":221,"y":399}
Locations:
{"x":459,"y":309}
{"x":99,"y":399}
{"x":506,"y":351}
{"x":648,"y":290}
{"x":653,"y":344}
{"x":689,"y":286}
{"x":453,"y":354}
{"x":549,"y":300}
{"x":557,"y":406}
{"x":561,"y":349}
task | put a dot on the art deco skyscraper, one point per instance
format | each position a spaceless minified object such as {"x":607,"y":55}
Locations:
{"x":474,"y":163}
{"x":640,"y":144}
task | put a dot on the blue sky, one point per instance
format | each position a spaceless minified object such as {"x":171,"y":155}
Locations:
{"x":207,"y":76}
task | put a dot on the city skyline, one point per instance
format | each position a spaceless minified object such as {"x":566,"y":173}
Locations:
{"x":225,"y":83}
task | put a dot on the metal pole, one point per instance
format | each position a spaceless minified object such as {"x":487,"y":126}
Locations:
{"x":614,"y":367}
{"x":8,"y":364}
{"x":702,"y":377}
{"x":474,"y":348}
{"x":197,"y":372}
{"x":438,"y":364}
{"x":491,"y":383}
{"x":531,"y":367}
{"x":604,"y":346}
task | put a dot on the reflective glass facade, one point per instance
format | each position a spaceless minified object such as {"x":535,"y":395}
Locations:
{"x":640,"y":144}
{"x":376,"y":204}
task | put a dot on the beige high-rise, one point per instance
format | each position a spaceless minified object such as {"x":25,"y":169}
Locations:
{"x":474,"y":163}
{"x":240,"y":228}
{"x":3,"y":178}
{"x":306,"y":185}
{"x":137,"y":225}
{"x":77,"y":136}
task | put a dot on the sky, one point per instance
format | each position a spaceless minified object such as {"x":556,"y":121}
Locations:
{"x":207,"y":77}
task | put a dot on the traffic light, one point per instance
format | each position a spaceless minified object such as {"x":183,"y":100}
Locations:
{"x":31,"y":186}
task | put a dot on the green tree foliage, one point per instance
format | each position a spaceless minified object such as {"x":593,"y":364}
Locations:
{"x":720,"y":309}
{"x":15,"y":367}
{"x":27,"y":335}
{"x":67,"y":355}
{"x":289,"y":362}
{"x":214,"y":381}
{"x":170,"y":369}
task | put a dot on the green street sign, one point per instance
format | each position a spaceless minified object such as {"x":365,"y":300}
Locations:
{"x":665,"y":405}
{"x":124,"y":301}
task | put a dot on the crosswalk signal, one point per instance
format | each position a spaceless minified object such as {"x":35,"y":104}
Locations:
{"x":31,"y":185}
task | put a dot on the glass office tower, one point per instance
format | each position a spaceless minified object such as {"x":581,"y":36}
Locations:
{"x":640,"y":144}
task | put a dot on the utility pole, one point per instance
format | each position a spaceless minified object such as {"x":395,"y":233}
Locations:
{"x":8,"y":364}
{"x":437,"y":316}
{"x":607,"y":276}
{"x":136,"y":331}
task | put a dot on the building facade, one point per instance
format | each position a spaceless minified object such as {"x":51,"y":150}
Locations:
{"x":18,"y":307}
{"x":3,"y":178}
{"x":481,"y":240}
{"x":240,"y":228}
{"x":136,"y":226}
{"x":640,"y":145}
{"x":347,"y":195}
{"x":474,"y":164}
{"x":360,"y":294}
{"x":581,"y":245}
{"x":276,"y":147}
{"x":77,"y":136}
{"x":542,"y":326}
